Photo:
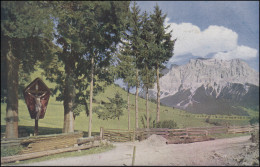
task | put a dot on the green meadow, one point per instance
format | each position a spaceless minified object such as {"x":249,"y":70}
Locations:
{"x":53,"y":120}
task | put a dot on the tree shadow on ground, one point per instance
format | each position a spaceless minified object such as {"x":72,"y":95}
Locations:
{"x":25,"y":131}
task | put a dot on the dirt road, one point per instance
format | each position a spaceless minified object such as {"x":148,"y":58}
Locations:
{"x":154,"y":151}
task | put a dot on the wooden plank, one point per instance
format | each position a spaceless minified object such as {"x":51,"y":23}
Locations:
{"x":119,"y":130}
{"x":44,"y":153}
{"x":88,"y":139}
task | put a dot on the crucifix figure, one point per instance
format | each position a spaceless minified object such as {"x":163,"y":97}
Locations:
{"x":38,"y":103}
{"x":36,"y":96}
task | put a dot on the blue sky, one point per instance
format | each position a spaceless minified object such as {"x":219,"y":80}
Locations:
{"x":212,"y":29}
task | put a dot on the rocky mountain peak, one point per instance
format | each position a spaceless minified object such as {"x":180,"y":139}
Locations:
{"x":210,"y":86}
{"x":207,"y":72}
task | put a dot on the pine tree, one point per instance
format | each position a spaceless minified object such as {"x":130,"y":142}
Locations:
{"x":147,"y":70}
{"x":69,"y":21}
{"x":135,"y":42}
{"x":113,"y":109}
{"x":163,"y":49}
{"x":109,"y":24}
{"x":126,"y":71}
{"x":26,"y":37}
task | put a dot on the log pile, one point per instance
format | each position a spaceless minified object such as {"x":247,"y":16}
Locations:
{"x":116,"y":135}
{"x":87,"y":140}
{"x":50,"y":142}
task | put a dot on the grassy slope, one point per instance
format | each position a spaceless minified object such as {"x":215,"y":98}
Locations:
{"x":55,"y":114}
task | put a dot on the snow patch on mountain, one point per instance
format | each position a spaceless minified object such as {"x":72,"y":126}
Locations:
{"x":214,"y":73}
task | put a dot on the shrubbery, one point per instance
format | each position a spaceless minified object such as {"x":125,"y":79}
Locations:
{"x":171,"y":124}
{"x":11,"y":150}
{"x":254,"y":120}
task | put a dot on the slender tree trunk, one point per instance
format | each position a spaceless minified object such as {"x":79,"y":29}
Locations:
{"x":128,"y":107}
{"x":12,"y":95}
{"x":158,"y":95}
{"x":91,"y":97}
{"x":147,"y":111}
{"x":69,"y":95}
{"x":136,"y":100}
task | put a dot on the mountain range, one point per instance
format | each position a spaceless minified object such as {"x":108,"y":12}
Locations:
{"x":210,"y":86}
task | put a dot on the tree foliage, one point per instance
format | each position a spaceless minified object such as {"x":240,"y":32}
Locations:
{"x":113,"y":109}
{"x":171,"y":124}
{"x":147,"y":71}
{"x":163,"y":49}
{"x":27,"y":28}
{"x":164,"y":45}
{"x":88,"y":33}
{"x":26,"y":37}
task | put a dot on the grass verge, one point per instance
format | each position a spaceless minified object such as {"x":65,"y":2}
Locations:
{"x":94,"y":150}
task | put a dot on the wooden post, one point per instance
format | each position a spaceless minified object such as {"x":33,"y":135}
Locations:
{"x":133,"y":160}
{"x":134,"y":135}
{"x":36,"y":128}
{"x":101,"y":133}
{"x":207,"y":133}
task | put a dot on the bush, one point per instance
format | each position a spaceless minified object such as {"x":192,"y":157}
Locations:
{"x":11,"y":150}
{"x":166,"y":124}
{"x":254,"y":120}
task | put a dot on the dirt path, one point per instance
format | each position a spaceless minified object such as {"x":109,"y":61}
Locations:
{"x":154,"y":151}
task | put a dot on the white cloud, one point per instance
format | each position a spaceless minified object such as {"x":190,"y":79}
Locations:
{"x":214,"y":39}
{"x":242,"y":52}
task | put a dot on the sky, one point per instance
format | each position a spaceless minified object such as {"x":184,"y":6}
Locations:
{"x":211,"y":29}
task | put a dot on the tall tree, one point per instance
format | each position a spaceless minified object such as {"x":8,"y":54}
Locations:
{"x":147,"y":70}
{"x":69,"y":21}
{"x":126,"y":71}
{"x":135,"y":42}
{"x":88,"y":32}
{"x":109,"y":24}
{"x":26,"y":37}
{"x":163,"y":49}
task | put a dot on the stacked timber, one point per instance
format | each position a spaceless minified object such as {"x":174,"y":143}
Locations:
{"x":7,"y":142}
{"x":50,"y":142}
{"x":86,"y":140}
{"x":117,"y":135}
{"x":45,"y":153}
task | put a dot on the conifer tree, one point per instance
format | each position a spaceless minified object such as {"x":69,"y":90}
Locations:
{"x":135,"y":42}
{"x":109,"y":24}
{"x":113,"y":109}
{"x":69,"y":21}
{"x":126,"y":71}
{"x":26,"y":37}
{"x":163,"y":49}
{"x":147,"y":70}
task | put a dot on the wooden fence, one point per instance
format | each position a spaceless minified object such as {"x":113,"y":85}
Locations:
{"x":32,"y":155}
{"x":50,"y":142}
{"x":119,"y":135}
{"x":43,"y":142}
{"x":211,"y":130}
{"x":38,"y":146}
{"x":242,"y":129}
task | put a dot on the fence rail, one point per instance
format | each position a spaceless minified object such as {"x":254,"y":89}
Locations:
{"x":120,"y":135}
{"x":45,"y":153}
